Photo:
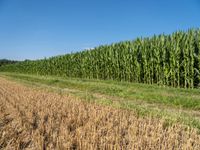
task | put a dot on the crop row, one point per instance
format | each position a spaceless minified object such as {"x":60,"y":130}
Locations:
{"x":172,"y":60}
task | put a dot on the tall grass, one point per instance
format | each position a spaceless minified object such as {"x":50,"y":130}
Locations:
{"x":172,"y":60}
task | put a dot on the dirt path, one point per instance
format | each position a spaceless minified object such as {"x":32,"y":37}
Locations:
{"x":37,"y":119}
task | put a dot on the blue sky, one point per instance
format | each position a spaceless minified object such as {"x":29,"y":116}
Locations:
{"x":34,"y":29}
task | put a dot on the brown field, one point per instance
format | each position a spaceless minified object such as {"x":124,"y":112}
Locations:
{"x":38,"y":119}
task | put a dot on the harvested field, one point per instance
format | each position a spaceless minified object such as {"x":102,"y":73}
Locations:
{"x":37,"y":119}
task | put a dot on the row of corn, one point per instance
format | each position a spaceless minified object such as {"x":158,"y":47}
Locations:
{"x":172,"y":60}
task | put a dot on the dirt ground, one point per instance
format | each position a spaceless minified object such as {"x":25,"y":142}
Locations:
{"x":38,"y":119}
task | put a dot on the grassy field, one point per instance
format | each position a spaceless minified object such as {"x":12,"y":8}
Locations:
{"x":36,"y":118}
{"x":170,"y":104}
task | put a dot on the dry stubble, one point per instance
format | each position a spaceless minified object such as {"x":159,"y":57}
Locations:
{"x":37,"y":119}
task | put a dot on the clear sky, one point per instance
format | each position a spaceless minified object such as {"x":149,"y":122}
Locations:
{"x":34,"y":29}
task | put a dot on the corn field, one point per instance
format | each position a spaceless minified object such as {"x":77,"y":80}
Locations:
{"x":171,"y":60}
